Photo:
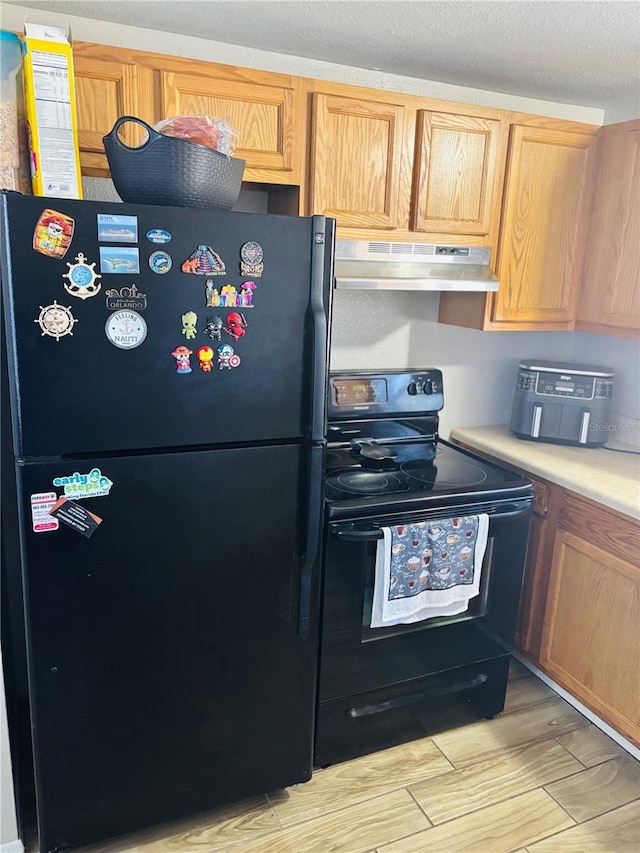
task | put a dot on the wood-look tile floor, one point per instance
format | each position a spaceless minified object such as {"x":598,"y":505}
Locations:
{"x":540,"y":778}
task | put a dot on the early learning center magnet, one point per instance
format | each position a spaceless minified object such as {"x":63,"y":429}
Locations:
{"x":94,"y":484}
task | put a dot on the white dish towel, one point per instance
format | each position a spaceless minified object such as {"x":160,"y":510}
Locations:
{"x":428,"y":569}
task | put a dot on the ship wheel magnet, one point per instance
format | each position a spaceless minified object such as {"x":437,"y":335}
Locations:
{"x":82,"y":278}
{"x":55,"y":320}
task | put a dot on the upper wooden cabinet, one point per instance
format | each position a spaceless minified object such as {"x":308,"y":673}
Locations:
{"x":544,"y":221}
{"x":610,"y":298}
{"x":108,"y":87}
{"x":266,"y":110}
{"x":456,"y":169}
{"x":360,"y":162}
{"x":382,"y":162}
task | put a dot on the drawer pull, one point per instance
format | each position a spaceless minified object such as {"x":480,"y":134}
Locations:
{"x":415,"y":698}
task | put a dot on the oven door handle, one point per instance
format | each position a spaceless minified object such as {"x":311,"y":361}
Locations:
{"x":359,"y":535}
{"x":498,"y":513}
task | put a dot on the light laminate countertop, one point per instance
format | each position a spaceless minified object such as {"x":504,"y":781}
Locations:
{"x":610,"y":478}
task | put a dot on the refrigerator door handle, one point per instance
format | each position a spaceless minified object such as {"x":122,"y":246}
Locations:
{"x":320,"y":331}
{"x":311,"y":541}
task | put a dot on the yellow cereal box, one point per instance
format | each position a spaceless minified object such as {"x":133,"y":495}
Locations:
{"x":50,"y":107}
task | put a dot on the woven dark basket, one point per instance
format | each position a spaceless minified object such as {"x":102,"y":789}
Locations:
{"x":166,"y":170}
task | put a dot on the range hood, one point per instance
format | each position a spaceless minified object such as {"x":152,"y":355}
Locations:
{"x":367,"y":265}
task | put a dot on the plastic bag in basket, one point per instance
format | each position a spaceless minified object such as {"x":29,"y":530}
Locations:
{"x":215,"y":133}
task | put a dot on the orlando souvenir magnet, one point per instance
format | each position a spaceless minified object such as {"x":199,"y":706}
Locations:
{"x":53,"y":233}
{"x":251,"y":259}
{"x":55,"y":320}
{"x":82,"y":278}
{"x":126,"y":297}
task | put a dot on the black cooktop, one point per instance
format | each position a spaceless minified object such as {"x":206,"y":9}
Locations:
{"x":412,"y":474}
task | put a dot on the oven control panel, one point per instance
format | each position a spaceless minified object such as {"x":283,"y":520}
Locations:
{"x":385,"y":393}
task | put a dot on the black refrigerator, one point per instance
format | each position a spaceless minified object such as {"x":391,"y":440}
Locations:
{"x":164,"y":382}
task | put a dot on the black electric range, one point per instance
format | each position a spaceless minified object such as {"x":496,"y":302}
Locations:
{"x":384,"y":452}
{"x":387,"y":468}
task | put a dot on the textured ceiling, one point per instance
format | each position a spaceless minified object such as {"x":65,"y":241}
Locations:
{"x":573,"y":51}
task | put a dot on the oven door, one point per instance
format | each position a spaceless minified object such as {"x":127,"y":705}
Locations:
{"x":376,"y":682}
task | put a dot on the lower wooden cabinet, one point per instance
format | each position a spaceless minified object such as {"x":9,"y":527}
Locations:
{"x":580,"y":611}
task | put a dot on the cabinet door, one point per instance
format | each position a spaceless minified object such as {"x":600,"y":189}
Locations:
{"x":263,"y":115}
{"x":536,"y":573}
{"x":591,"y":641}
{"x":107,"y":88}
{"x":457,"y":163}
{"x":610,"y":297}
{"x":548,"y":193}
{"x":358,"y":172}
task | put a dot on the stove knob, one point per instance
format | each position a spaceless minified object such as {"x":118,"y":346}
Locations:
{"x":428,"y":387}
{"x":412,"y":389}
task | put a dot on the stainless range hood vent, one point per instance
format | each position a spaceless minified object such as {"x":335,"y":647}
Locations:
{"x":367,"y":265}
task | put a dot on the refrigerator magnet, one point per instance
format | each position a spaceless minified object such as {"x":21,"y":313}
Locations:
{"x":126,"y":297}
{"x":160,"y":262}
{"x":251,"y":259}
{"x":213,"y":328}
{"x":181,"y":355}
{"x":76,"y":517}
{"x":55,"y":320}
{"x":203,"y":261}
{"x":228,"y":296}
{"x":119,"y":260}
{"x":236,"y":325}
{"x":53,"y":233}
{"x":82,"y":278}
{"x":211,"y":295}
{"x":158,"y":235}
{"x":227,"y":357}
{"x":245,"y":297}
{"x":41,"y":521}
{"x":94,"y":484}
{"x":125,"y":329}
{"x":205,"y":355}
{"x":189,"y":323}
{"x":115,"y":228}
